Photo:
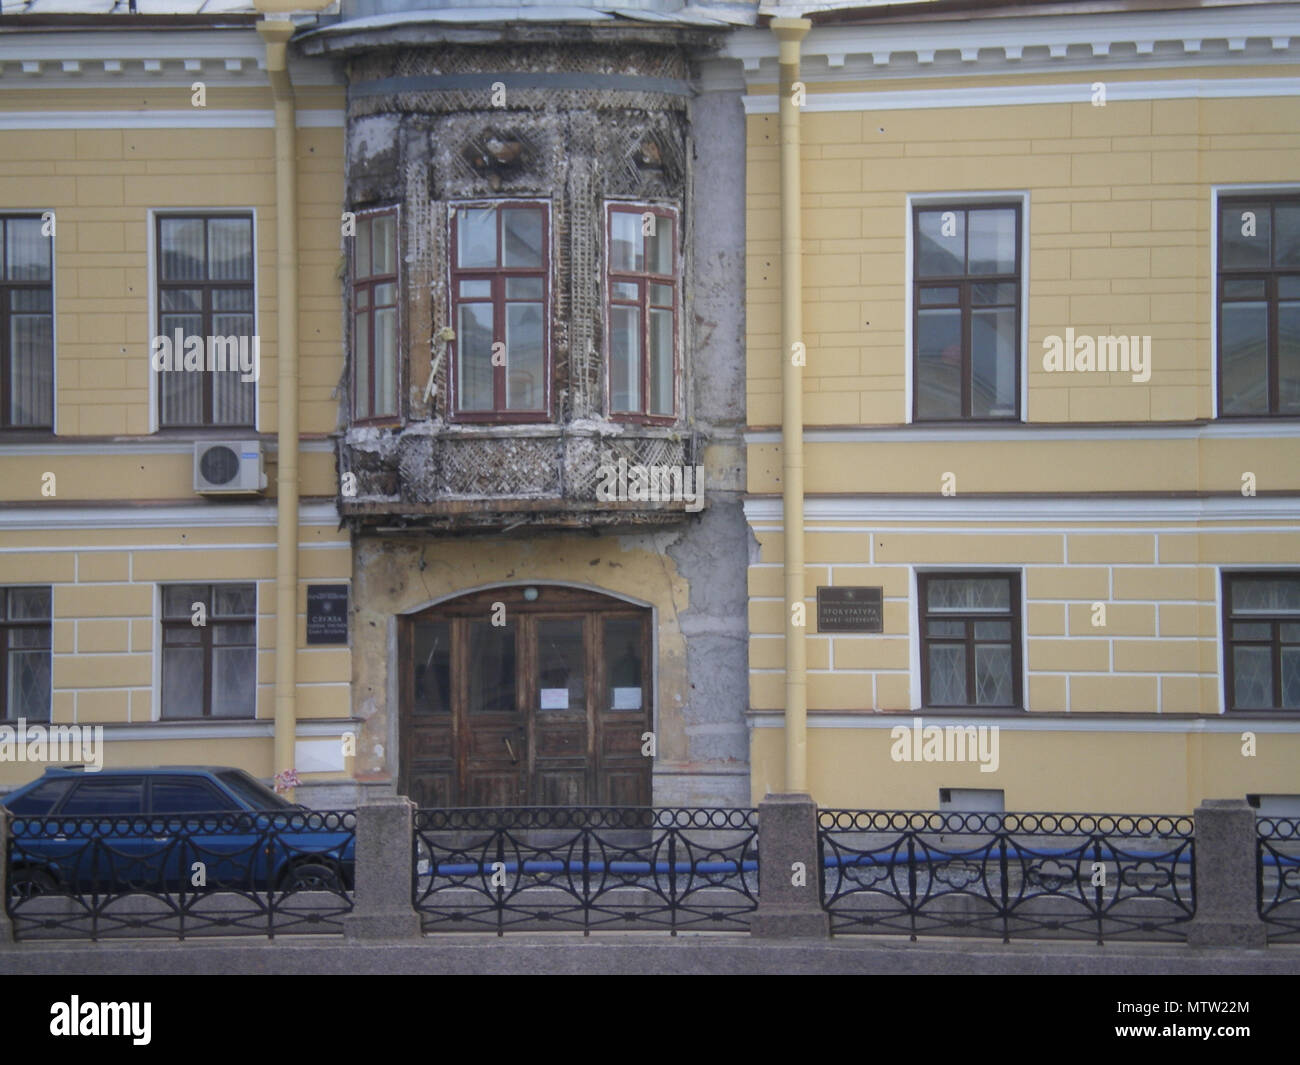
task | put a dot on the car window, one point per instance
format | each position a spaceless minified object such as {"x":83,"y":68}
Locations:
{"x":188,"y":797}
{"x":40,"y":800}
{"x":111,"y":796}
{"x":256,"y":795}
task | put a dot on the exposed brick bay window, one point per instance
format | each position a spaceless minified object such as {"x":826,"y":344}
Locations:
{"x":500,"y":298}
{"x":641,"y":312}
{"x":375,"y":359}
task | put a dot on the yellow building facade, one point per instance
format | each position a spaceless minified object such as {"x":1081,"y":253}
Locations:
{"x":138,"y":186}
{"x":1093,"y":555}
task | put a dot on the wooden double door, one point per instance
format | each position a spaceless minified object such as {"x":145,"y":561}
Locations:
{"x":537,"y":696}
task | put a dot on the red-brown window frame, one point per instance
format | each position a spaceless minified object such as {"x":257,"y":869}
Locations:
{"x":368,"y":284}
{"x":497,"y":275}
{"x":643,"y":279}
{"x":1274,"y":643}
{"x":207,"y":644}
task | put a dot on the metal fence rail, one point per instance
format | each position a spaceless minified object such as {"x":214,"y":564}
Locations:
{"x":267,"y":873}
{"x":1034,"y":875}
{"x":588,"y":868}
{"x":1278,"y":851}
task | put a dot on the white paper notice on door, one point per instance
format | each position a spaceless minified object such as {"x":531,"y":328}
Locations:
{"x":627,"y":699}
{"x":555,"y":698}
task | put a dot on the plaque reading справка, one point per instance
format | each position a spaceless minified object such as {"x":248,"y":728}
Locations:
{"x":327,"y":613}
{"x":850,"y":610}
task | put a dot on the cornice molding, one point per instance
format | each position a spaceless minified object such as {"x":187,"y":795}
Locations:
{"x":1030,"y":44}
{"x":128,"y":59}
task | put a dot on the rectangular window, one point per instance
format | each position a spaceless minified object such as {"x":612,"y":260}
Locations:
{"x":375,"y":359}
{"x":641,"y":299}
{"x":966,"y":287}
{"x":970,"y":639}
{"x":1261,"y":624}
{"x":209,"y":669}
{"x":500,"y":282}
{"x":205,"y":304}
{"x":25,"y":649}
{"x":1259,"y":306}
{"x":26,"y":324}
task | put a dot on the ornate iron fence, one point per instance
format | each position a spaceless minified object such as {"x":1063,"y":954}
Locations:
{"x":1278,"y":850}
{"x":1007,"y":874}
{"x":267,"y":873}
{"x":589,"y":868}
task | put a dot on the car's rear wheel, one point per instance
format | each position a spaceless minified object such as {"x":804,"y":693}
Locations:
{"x":313,"y":876}
{"x":29,"y":883}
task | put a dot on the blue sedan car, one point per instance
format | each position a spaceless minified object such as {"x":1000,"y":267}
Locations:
{"x":191,"y":828}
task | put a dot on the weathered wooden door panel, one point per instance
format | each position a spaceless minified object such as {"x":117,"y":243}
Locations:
{"x":547,"y":706}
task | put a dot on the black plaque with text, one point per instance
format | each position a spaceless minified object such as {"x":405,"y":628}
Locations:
{"x":850,"y":610}
{"x":327,"y":613}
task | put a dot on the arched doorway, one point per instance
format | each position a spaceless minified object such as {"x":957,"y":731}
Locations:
{"x":526,"y":696}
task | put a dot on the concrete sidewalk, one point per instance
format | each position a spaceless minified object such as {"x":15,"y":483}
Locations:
{"x":563,"y":953}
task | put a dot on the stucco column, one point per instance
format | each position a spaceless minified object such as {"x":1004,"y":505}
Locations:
{"x":789,"y":32}
{"x":276,"y":34}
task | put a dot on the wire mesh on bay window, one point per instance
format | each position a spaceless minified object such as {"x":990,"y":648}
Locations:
{"x":642,"y":300}
{"x":375,"y":317}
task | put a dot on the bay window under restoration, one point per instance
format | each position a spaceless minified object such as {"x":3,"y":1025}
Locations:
{"x":375,"y":317}
{"x":500,"y":300}
{"x":641,"y":299}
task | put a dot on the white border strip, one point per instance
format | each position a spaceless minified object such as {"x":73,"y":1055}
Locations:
{"x":1028,"y":433}
{"x":144,"y":517}
{"x":1029,"y":95}
{"x":1075,"y":722}
{"x":191,"y":119}
{"x":1027,"y":509}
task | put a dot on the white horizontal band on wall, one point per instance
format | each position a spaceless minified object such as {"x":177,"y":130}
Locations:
{"x":241,"y":730}
{"x":198,"y":516}
{"x":1022,"y":433}
{"x":1078,"y":721}
{"x":1015,"y":513}
{"x":1079,"y":92}
{"x":250,"y":118}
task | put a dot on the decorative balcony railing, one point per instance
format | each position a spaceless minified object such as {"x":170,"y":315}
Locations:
{"x":456,"y":477}
{"x":1278,"y":850}
{"x":586,"y":868}
{"x":270,"y":873}
{"x":1029,"y":875}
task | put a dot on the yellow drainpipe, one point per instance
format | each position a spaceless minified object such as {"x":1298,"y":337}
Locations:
{"x":790,"y":32}
{"x":276,"y":33}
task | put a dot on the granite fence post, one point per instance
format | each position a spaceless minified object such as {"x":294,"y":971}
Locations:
{"x":1226,"y":882}
{"x":789,"y":887}
{"x":385,"y":856}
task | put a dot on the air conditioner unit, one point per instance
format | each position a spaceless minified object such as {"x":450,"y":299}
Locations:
{"x":228,"y":467}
